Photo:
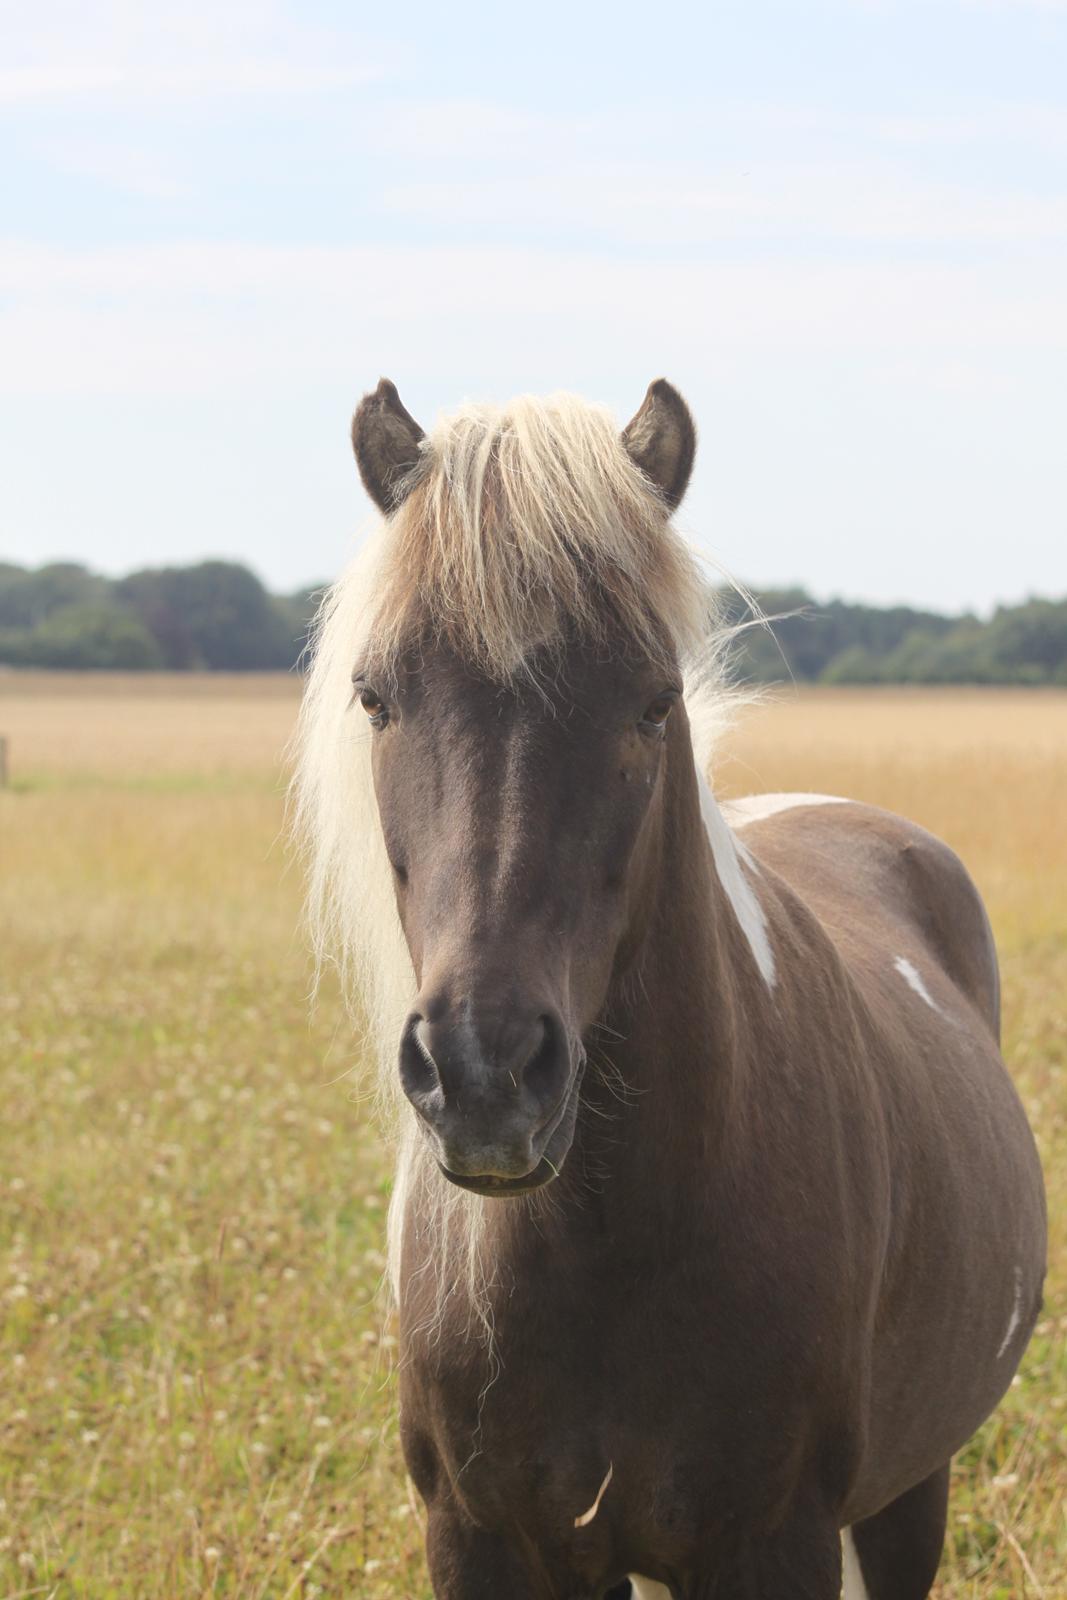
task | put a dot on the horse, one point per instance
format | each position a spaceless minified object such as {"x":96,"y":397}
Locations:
{"x":717,"y":1226}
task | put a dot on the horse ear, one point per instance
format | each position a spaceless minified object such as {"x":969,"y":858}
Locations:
{"x":661,"y":439}
{"x":386,"y":442}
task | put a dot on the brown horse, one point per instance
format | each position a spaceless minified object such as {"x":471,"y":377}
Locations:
{"x":718,"y":1226}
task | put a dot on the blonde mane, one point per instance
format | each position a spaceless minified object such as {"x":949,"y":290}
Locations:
{"x":521,"y":528}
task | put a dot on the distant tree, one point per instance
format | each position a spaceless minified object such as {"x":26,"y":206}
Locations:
{"x":958,"y":656}
{"x":766,"y":654}
{"x":298,"y":613}
{"x":854,"y":665}
{"x":213,"y":615}
{"x":807,"y":638}
{"x":217,"y":615}
{"x":27,"y":598}
{"x":913,"y":660}
{"x":1028,"y":643}
{"x":82,"y":637}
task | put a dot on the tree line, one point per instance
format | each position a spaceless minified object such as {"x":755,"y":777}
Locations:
{"x":217,"y":616}
{"x":214,"y":616}
{"x":837,"y":641}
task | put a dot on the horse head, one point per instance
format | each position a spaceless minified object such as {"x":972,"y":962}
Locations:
{"x":518,"y":747}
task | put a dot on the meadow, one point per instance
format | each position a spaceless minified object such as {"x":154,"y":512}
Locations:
{"x":196,"y":1393}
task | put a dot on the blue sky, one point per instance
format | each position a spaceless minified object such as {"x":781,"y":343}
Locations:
{"x":840,"y":228}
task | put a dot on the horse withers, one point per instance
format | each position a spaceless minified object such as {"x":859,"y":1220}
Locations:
{"x":717,"y":1225}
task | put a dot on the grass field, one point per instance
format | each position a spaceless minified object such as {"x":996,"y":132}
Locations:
{"x":195,"y":1389}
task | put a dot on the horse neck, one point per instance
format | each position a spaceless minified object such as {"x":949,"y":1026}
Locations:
{"x":664,"y":1088}
{"x":673,"y":1044}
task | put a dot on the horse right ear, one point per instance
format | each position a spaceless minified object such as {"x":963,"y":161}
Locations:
{"x":386,"y":441}
{"x":662,"y":440}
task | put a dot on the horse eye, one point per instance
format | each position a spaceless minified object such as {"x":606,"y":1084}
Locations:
{"x":658,"y":712}
{"x":372,"y":705}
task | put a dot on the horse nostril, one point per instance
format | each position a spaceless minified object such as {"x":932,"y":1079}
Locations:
{"x":545,"y":1073}
{"x":539,"y":1058}
{"x":418,"y":1070}
{"x":508,"y":1070}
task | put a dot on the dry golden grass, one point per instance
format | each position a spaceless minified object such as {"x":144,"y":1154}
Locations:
{"x":195,"y":1395}
{"x":147,"y":729}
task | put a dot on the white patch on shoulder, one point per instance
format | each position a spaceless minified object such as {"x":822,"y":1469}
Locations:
{"x":914,"y":979}
{"x":648,"y":1589}
{"x":855,"y":1588}
{"x":729,"y":854}
{"x":1016,"y":1313}
{"x":754,"y":807}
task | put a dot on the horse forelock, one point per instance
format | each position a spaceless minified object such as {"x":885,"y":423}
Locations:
{"x":524,"y":527}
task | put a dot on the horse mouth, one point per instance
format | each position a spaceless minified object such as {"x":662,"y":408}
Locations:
{"x":500,"y":1188}
{"x":558,"y":1136}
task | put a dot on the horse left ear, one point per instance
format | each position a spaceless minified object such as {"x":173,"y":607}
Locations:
{"x":386,"y":442}
{"x":661,"y":439}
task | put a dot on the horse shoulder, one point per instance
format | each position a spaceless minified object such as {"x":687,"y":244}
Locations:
{"x":890,"y":882}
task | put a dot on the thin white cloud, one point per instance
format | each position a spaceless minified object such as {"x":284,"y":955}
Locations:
{"x":891,"y":6}
{"x":144,"y":81}
{"x":1015,"y":5}
{"x":116,"y":164}
{"x":1039,"y":125}
{"x":56,"y":51}
{"x":156,"y":320}
{"x":56,"y":79}
{"x":802,"y":203}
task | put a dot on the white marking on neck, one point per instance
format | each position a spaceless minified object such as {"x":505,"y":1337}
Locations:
{"x":728,"y":854}
{"x":855,"y":1588}
{"x":1016,"y":1313}
{"x":648,"y":1588}
{"x":754,"y":807}
{"x":914,"y":979}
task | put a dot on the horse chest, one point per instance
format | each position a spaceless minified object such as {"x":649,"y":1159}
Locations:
{"x":640,"y":1431}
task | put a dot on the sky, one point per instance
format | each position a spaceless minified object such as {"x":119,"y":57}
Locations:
{"x":838,"y":226}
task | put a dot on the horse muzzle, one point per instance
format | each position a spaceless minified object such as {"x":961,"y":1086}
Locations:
{"x":496,"y":1093}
